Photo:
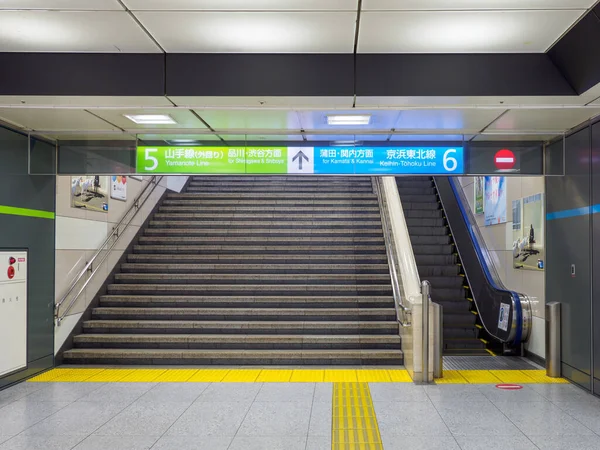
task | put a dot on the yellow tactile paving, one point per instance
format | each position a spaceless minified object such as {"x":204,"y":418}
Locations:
{"x":399,"y":376}
{"x":307,"y":376}
{"x":451,"y":377}
{"x":143,"y":376}
{"x":110,"y":376}
{"x":241,"y":376}
{"x":340,"y":376}
{"x":77,"y":376}
{"x":209,"y":376}
{"x":373,"y":376}
{"x":479,"y":376}
{"x":176,"y":376}
{"x":512,"y":376}
{"x":275,"y":376}
{"x":50,"y":375}
{"x":539,"y":376}
{"x":354,"y":423}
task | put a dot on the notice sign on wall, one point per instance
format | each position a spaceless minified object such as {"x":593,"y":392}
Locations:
{"x":118,"y":187}
{"x":495,"y":200}
{"x":301,"y":160}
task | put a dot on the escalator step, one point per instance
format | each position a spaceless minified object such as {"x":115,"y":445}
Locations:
{"x":436,"y":260}
{"x":423,"y":214}
{"x":425,"y":249}
{"x":439,"y":271}
{"x":428,"y":231}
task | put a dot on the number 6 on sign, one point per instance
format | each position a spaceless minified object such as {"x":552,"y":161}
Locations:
{"x":450,"y":162}
{"x":151,"y":158}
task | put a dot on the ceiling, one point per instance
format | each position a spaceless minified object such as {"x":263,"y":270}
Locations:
{"x":286,"y":26}
{"x":441,"y":118}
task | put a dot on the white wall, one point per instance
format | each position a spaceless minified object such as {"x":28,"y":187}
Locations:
{"x":499,"y":239}
{"x":79,"y":233}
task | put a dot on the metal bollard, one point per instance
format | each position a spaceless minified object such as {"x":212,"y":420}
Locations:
{"x":438,"y":343}
{"x":553,"y":350}
{"x":426,"y":294}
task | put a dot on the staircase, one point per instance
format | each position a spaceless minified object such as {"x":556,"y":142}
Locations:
{"x":438,"y":261}
{"x":252,"y":270}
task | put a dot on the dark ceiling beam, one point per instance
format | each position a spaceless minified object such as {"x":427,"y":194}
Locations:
{"x":577,"y":53}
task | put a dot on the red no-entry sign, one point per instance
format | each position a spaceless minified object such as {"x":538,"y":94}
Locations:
{"x":509,"y":387}
{"x":505,"y":159}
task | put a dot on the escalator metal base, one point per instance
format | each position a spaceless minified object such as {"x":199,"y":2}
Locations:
{"x":487,"y":363}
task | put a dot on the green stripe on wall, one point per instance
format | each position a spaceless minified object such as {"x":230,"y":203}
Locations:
{"x":12,"y":211}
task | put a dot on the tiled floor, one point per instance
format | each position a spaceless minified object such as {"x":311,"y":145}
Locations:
{"x":291,"y":416}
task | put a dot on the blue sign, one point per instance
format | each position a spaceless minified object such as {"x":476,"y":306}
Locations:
{"x":389,"y":160}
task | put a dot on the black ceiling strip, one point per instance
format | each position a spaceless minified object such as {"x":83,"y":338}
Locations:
{"x":355,"y":48}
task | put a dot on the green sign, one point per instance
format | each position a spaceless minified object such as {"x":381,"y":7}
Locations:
{"x":212,"y":160}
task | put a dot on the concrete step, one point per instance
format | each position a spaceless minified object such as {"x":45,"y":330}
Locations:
{"x":244,"y":267}
{"x":208,"y":201}
{"x":264,"y":240}
{"x":247,"y":301}
{"x":255,"y":278}
{"x":265,"y":209}
{"x":244,"y":314}
{"x":236,"y":290}
{"x":282,"y":215}
{"x":279,"y":327}
{"x":233,"y":248}
{"x":261,"y":258}
{"x":232,"y":357}
{"x":236,"y":341}
{"x":264,"y":232}
{"x":233,"y":226}
{"x":273,"y":195}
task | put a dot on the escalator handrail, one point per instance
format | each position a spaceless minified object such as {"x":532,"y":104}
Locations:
{"x":482,"y":251}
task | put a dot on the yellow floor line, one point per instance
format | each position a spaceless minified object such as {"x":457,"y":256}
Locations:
{"x":133,"y":375}
{"x":354,"y":423}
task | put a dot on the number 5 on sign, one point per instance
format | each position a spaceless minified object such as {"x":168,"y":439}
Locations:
{"x":450,"y":162}
{"x":149,"y":157}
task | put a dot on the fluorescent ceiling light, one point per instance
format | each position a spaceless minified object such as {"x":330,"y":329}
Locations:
{"x":151,"y":119}
{"x":183,"y":142}
{"x":345,"y":143}
{"x":350,"y":119}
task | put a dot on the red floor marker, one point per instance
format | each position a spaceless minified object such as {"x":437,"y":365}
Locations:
{"x":509,"y":387}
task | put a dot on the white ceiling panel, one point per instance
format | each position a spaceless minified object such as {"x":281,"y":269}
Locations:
{"x":317,"y":120}
{"x":68,"y":31}
{"x":429,"y":137}
{"x":252,"y":32}
{"x":87,"y":102}
{"x":242,"y":5}
{"x":159,"y":137}
{"x":440,"y":5}
{"x":347,"y":138}
{"x":77,"y":5}
{"x":263,"y":102}
{"x":472,"y":102}
{"x":445,"y":119}
{"x":515,"y":137}
{"x":542,"y":119}
{"x":462,"y":32}
{"x":183,"y":117}
{"x":250,"y":119}
{"x":91,"y":137}
{"x":54,"y":119}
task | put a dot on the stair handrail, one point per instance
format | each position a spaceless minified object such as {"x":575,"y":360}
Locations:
{"x":401,"y":258}
{"x":137,"y":204}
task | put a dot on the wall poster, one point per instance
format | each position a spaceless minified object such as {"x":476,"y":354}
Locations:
{"x":528,"y":246}
{"x":479,"y":195}
{"x":89,"y":192}
{"x":118,"y":187}
{"x":495,"y":200}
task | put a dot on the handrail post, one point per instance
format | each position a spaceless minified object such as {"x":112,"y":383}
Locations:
{"x":426,"y":295}
{"x":438,"y":340}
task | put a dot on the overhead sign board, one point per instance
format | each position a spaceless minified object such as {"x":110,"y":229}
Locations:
{"x":301,"y":160}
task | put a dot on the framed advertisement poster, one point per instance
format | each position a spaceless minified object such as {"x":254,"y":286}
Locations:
{"x":495,"y":200}
{"x":89,"y":192}
{"x":528,"y":246}
{"x":479,"y":195}
{"x":118,"y":187}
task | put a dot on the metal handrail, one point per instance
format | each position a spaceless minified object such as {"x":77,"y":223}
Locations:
{"x":403,"y":313}
{"x":89,"y":266}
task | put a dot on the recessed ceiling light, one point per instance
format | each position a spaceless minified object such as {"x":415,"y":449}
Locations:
{"x":151,"y":119}
{"x":345,"y":143}
{"x":350,"y":119}
{"x":183,"y":142}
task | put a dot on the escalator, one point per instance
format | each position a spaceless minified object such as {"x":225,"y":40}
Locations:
{"x":480,"y":315}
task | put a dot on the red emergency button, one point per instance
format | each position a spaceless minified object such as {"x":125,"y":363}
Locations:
{"x":11,"y":260}
{"x":11,"y":272}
